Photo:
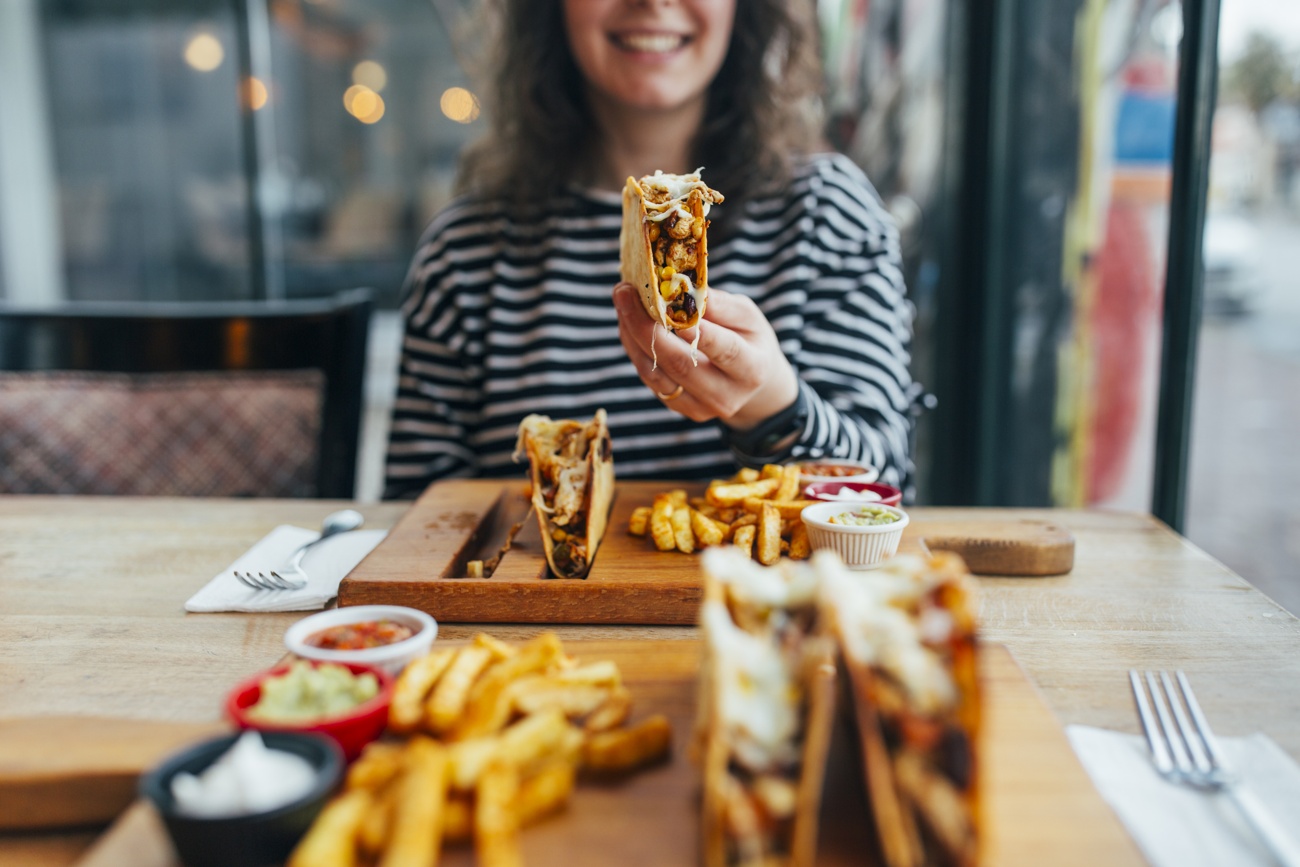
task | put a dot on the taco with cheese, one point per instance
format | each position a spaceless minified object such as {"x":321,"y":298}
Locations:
{"x":908,"y":641}
{"x":766,"y":705}
{"x":571,"y":467}
{"x":664,"y":245}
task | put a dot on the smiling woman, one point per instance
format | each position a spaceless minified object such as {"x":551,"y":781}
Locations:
{"x":802,"y":348}
{"x":642,"y":58}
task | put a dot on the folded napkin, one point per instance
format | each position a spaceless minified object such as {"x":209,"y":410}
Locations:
{"x":325,"y":565}
{"x":1178,"y":825}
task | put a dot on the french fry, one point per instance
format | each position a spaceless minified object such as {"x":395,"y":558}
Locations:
{"x":474,"y":569}
{"x":412,"y":688}
{"x":678,"y":496}
{"x":496,"y":824}
{"x":768,"y":539}
{"x":639,"y":521}
{"x":449,"y":697}
{"x":707,"y":530}
{"x":488,"y":708}
{"x":498,"y":648}
{"x":728,"y":514}
{"x":573,"y":700}
{"x":744,"y":539}
{"x":800,"y":548}
{"x":602,"y":673}
{"x":736,"y":494}
{"x":784,"y":508}
{"x":378,"y":763}
{"x":525,"y":744}
{"x":529,"y":742}
{"x":331,"y":840}
{"x":623,"y":750}
{"x":415,"y":834}
{"x":789,"y":488}
{"x":458,"y":820}
{"x":661,"y":523}
{"x":683,"y":538}
{"x":468,"y":758}
{"x":375,"y":826}
{"x":771,"y":471}
{"x":746,"y":474}
{"x":544,"y":793}
{"x":611,"y":713}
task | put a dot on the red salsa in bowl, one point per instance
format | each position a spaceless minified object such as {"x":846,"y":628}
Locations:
{"x":386,"y":636}
{"x":360,"y":636}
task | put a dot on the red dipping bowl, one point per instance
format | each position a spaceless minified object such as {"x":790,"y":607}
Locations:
{"x":351,"y":730}
{"x":889,"y":495}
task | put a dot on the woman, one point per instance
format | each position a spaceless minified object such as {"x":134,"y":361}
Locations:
{"x":803,"y":347}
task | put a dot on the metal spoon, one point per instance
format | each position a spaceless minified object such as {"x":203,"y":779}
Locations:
{"x":335,"y":523}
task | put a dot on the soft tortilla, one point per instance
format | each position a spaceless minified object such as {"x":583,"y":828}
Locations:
{"x":636,"y":256}
{"x":535,"y":434}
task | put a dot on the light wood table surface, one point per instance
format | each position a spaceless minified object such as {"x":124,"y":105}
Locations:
{"x":92,"y":623}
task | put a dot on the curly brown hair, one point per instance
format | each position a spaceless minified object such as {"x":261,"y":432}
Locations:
{"x":763,"y":107}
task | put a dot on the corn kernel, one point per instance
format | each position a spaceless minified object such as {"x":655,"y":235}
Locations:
{"x":654,"y":231}
{"x":667,"y":272}
{"x":666,"y":289}
{"x":559,"y":535}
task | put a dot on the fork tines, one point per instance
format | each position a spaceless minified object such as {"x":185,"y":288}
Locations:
{"x":1183,"y":748}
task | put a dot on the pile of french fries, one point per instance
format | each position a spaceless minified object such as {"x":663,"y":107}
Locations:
{"x":495,"y":736}
{"x":757,"y":511}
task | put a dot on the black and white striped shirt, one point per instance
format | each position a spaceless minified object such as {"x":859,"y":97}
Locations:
{"x":507,"y":316}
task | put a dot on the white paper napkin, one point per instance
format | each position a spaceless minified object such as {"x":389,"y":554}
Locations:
{"x":325,"y":565}
{"x":1178,"y":825}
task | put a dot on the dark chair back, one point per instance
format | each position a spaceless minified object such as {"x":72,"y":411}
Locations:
{"x":222,"y":386}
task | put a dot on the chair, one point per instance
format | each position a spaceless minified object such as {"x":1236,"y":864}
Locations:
{"x":258,"y":399}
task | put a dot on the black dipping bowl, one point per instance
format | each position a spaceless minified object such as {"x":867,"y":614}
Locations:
{"x":254,"y":839}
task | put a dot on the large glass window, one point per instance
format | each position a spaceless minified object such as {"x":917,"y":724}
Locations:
{"x":1244,"y":483}
{"x":146,"y":149}
{"x":261,"y":148}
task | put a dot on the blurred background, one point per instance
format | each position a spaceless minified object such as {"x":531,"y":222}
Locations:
{"x":189,"y":150}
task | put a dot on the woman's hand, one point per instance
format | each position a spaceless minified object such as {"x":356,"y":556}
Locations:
{"x":742,"y":377}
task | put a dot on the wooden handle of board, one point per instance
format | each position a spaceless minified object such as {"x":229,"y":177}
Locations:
{"x":1023,"y":548}
{"x":62,"y":771}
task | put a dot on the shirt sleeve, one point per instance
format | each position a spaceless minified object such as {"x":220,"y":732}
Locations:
{"x":439,"y":381}
{"x":853,"y":359}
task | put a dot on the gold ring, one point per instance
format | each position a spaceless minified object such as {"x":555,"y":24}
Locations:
{"x":667,"y":397}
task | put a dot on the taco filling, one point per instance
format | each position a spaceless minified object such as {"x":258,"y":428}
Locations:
{"x":572,"y":474}
{"x":677,"y":208}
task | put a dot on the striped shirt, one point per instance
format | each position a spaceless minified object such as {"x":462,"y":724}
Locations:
{"x":507,"y":316}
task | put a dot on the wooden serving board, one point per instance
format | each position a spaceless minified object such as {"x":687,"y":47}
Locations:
{"x":1039,"y":806}
{"x":423,"y":561}
{"x":64,"y":771}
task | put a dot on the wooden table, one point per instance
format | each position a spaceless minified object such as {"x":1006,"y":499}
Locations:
{"x":91,"y":620}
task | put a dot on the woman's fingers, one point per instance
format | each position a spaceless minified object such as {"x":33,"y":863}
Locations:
{"x":736,"y":373}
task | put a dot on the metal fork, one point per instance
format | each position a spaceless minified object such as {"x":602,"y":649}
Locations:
{"x":1185,"y":751}
{"x":293,"y":579}
{"x":334,"y":523}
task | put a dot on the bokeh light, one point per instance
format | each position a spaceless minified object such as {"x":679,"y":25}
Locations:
{"x":459,"y":104}
{"x":370,"y":74}
{"x":255,"y":93}
{"x":363,"y":103}
{"x":204,"y":52}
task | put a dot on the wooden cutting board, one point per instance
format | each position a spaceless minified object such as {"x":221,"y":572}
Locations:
{"x":64,"y":771}
{"x":423,"y":561}
{"x":1039,"y":806}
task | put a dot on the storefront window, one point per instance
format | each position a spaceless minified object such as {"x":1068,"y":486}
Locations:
{"x":1244,"y":480}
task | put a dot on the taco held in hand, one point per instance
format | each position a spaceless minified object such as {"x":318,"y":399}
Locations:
{"x":572,"y":473}
{"x":664,"y":245}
